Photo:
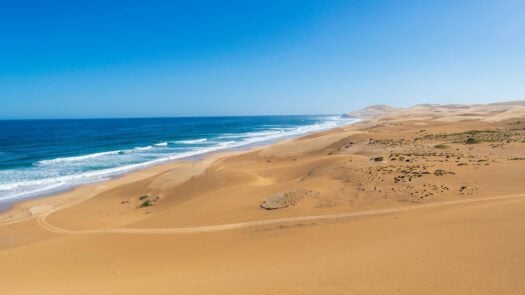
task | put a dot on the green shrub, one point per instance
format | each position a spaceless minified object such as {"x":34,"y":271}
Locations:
{"x":472,"y":140}
{"x":146,"y":203}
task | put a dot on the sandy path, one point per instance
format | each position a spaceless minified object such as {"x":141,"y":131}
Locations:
{"x":221,"y":227}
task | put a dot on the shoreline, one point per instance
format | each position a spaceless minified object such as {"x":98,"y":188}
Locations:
{"x":25,"y":204}
{"x":22,"y":210}
{"x":56,"y":174}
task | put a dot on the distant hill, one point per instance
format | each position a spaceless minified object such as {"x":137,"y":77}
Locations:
{"x":371,"y":111}
{"x":451,"y":112}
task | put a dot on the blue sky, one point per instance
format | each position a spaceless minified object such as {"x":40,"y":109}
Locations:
{"x":77,"y":59}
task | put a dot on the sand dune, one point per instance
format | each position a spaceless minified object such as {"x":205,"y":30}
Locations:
{"x":427,"y":200}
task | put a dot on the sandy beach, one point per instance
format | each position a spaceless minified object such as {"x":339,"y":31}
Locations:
{"x":420,"y":200}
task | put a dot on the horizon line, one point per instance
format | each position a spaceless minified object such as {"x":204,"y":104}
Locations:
{"x":163,"y":117}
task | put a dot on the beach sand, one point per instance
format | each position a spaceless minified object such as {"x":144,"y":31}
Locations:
{"x":424,"y":200}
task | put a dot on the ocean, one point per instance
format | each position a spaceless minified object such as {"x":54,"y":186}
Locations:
{"x":39,"y":157}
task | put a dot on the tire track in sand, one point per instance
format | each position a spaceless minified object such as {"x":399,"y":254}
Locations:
{"x":232,"y":226}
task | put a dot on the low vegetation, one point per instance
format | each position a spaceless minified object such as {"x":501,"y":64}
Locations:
{"x":472,"y":140}
{"x":474,"y":132}
{"x":377,"y":159}
{"x":476,"y":136}
{"x":146,"y":203}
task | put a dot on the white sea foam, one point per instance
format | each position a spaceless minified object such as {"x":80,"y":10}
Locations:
{"x":161,"y":144}
{"x":32,"y":187}
{"x":143,"y":148}
{"x":78,"y":158}
{"x":93,"y":156}
{"x":227,"y":143}
{"x":192,"y":141}
{"x":230,"y":135}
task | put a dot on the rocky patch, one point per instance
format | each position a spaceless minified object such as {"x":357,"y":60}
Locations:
{"x":287,"y":199}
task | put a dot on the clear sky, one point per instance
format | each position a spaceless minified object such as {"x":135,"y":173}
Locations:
{"x":76,"y":59}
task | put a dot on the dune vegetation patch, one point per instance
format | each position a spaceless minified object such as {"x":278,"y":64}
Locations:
{"x":500,"y":135}
{"x":489,"y":135}
{"x":472,"y":140}
{"x":147,"y":201}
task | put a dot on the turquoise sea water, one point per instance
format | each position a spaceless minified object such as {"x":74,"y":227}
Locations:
{"x":39,"y":157}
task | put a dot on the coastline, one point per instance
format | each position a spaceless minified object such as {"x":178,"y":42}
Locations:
{"x":53,"y":167}
{"x":401,"y":202}
{"x":20,"y":210}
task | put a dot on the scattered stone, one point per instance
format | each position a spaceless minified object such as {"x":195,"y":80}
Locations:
{"x":286,"y":199}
